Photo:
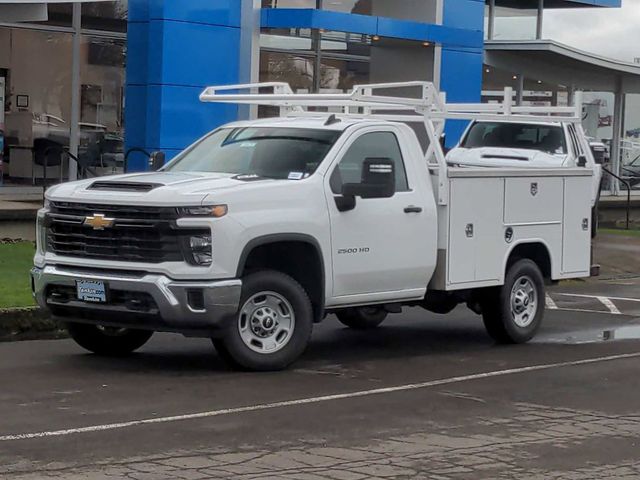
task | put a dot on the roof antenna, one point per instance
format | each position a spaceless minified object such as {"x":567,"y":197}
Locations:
{"x":332,"y":119}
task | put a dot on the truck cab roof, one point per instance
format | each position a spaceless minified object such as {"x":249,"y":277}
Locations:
{"x":320,"y":122}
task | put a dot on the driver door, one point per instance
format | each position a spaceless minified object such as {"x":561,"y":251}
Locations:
{"x":377,"y":247}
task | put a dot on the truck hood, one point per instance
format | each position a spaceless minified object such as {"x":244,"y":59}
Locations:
{"x":503,"y":157}
{"x":155,"y":188}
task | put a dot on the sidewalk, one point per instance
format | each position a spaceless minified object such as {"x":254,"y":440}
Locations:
{"x":18,"y":219}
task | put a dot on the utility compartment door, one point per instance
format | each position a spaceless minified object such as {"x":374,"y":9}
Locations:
{"x":533,"y":200}
{"x":576,"y":233}
{"x":475,"y":230}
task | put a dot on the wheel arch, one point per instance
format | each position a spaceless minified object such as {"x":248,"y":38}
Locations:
{"x":537,"y":251}
{"x":298,"y":255}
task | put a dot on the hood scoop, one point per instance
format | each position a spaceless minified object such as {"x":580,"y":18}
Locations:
{"x":123,"y":186}
{"x":506,"y":157}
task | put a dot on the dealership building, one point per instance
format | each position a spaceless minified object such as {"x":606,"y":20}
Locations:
{"x":102,"y":77}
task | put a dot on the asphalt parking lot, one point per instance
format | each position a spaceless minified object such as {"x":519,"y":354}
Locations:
{"x":424,"y":396}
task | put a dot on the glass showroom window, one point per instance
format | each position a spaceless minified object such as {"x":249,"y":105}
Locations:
{"x":102,"y":79}
{"x":35,"y":67}
{"x":105,"y":16}
{"x":515,"y":23}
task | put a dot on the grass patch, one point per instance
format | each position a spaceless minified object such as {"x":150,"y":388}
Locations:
{"x":16,"y":261}
{"x":616,"y":231}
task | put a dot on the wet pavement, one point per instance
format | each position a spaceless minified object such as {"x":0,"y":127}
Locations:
{"x":424,"y":396}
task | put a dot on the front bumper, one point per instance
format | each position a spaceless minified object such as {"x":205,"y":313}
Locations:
{"x":139,"y":300}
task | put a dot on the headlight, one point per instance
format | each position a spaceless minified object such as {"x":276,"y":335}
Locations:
{"x":201,"y":250}
{"x":215,"y":211}
{"x":41,"y":235}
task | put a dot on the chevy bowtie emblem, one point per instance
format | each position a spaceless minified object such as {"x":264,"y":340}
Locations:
{"x":98,"y":221}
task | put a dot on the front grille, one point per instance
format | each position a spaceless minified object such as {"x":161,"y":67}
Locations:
{"x":138,"y":234}
{"x":122,"y":211}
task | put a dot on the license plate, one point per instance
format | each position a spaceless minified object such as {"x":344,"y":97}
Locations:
{"x":94,"y":291}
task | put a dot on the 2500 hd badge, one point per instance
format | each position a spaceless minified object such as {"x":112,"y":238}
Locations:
{"x":348,"y":251}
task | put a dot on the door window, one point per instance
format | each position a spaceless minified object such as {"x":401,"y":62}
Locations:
{"x":574,"y":141}
{"x":369,"y":145}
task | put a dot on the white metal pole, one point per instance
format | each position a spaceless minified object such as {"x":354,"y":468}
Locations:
{"x":616,"y":151}
{"x":74,"y":134}
{"x":249,"y":52}
{"x":520,"y":90}
{"x":539,"y":23}
{"x":508,"y":100}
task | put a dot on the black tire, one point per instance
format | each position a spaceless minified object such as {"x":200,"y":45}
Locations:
{"x":231,"y":346}
{"x":108,"y":341}
{"x":362,"y":318}
{"x":499,"y":319}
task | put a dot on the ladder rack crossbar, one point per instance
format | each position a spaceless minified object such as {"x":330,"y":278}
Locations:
{"x":377,"y":102}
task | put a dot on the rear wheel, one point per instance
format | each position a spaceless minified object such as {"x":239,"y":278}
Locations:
{"x":108,"y":341}
{"x":272,"y":327}
{"x":513,"y":313}
{"x":362,"y":318}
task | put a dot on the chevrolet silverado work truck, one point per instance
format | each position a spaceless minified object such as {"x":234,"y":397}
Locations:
{"x":262,"y":228}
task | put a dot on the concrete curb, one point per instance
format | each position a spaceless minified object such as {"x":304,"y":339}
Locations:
{"x":30,"y":323}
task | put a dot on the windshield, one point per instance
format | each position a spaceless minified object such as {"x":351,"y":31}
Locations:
{"x":545,"y":138}
{"x":268,"y":152}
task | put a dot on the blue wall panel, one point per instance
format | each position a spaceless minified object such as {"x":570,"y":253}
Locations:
{"x":208,"y":12}
{"x":370,"y":25}
{"x":204,"y":55}
{"x":177,"y":117}
{"x":465,"y":14}
{"x":137,"y":53}
{"x":462,"y":81}
{"x":175,"y":49}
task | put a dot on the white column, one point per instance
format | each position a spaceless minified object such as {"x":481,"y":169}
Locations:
{"x":437,"y":52}
{"x":74,"y":134}
{"x":249,"y":52}
{"x":520,"y":90}
{"x":618,"y":119}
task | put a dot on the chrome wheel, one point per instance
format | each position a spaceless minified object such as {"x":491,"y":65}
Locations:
{"x":524,"y":302}
{"x":266,"y":322}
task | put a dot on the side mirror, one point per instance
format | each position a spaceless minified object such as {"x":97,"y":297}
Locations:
{"x":156,"y":161}
{"x":378,"y":181}
{"x":582,"y":161}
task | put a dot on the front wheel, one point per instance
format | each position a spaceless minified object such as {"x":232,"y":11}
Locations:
{"x":513,"y":313}
{"x":362,"y":318}
{"x":273,"y":326}
{"x":108,"y":341}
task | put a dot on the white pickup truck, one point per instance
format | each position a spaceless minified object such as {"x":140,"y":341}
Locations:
{"x":528,"y":144}
{"x":262,"y":228}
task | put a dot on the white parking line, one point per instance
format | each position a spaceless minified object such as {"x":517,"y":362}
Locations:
{"x":551,"y":305}
{"x":606,"y":301}
{"x":623,"y":299}
{"x":610,"y":305}
{"x":313,"y":400}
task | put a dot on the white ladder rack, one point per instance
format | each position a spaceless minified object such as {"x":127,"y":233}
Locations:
{"x":429,"y":108}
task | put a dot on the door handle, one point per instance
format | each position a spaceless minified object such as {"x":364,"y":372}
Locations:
{"x":412,"y":209}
